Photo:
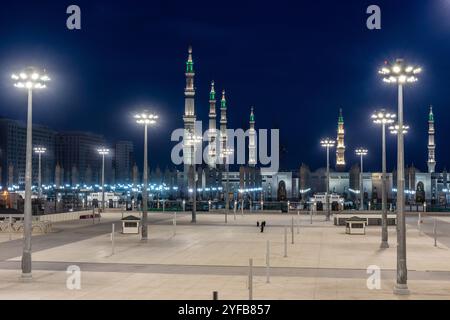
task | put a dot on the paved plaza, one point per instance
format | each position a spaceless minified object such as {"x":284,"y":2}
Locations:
{"x":192,"y":261}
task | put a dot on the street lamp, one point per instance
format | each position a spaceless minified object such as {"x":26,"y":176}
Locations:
{"x":394,"y":129}
{"x":29,"y":79}
{"x":145,"y":118}
{"x":328,"y":143}
{"x":103,"y":152}
{"x":225,"y":153}
{"x":400,"y":74}
{"x":192,"y":141}
{"x":39,"y":151}
{"x":362,"y":153}
{"x":383,"y":117}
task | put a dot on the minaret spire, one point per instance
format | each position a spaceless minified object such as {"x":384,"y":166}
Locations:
{"x":189,"y":110}
{"x":223,"y":125}
{"x":252,"y":141}
{"x":431,"y":144}
{"x":340,"y":149}
{"x":212,"y":134}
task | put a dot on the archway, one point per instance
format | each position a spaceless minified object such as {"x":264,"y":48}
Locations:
{"x":420,"y":193}
{"x":281,"y":193}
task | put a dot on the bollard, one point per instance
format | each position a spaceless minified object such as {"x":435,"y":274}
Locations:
{"x":112,"y":240}
{"x":174,"y":221}
{"x":268,"y":262}
{"x":285,"y":242}
{"x":93,"y":215}
{"x":215,"y":295}
{"x":435,"y":232}
{"x":164,"y":206}
{"x":419,"y":222}
{"x":310,"y":214}
{"x":10,"y":228}
{"x":298,"y":221}
{"x":250,"y":280}
{"x":242,"y":207}
{"x":226,"y":216}
{"x":292,"y":231}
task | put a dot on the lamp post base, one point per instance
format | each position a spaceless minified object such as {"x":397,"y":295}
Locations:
{"x":384,"y":245}
{"x":401,"y":290}
{"x":26,"y":277}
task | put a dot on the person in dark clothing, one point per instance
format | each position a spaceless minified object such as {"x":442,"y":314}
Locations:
{"x":257,"y":223}
{"x":263,"y":225}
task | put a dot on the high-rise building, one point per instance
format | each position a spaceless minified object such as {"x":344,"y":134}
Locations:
{"x":340,"y":149}
{"x":13,"y":141}
{"x":212,"y":133}
{"x":189,"y":111}
{"x":252,"y":141}
{"x":123,"y":161}
{"x":431,"y":144}
{"x":79,"y":150}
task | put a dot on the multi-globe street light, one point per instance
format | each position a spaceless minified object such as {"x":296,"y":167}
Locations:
{"x":384,"y":118}
{"x":145,"y":118}
{"x":29,"y":79}
{"x":39,"y":151}
{"x":328,"y":143}
{"x":103,"y":152}
{"x":400,"y":74}
{"x":192,"y":141}
{"x":361,"y":152}
{"x":394,"y":129}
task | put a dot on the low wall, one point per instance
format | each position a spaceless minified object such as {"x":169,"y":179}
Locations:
{"x":66,"y":216}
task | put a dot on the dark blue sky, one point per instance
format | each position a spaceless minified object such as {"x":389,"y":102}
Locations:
{"x":297,"y":62}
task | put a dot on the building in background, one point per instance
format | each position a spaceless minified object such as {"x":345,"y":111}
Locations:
{"x":124,"y":161}
{"x":13,"y":152}
{"x":77,"y":155}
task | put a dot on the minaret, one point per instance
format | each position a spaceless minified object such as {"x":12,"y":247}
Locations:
{"x":340,"y":149}
{"x":223,"y":126}
{"x":212,"y":134}
{"x":189,"y":110}
{"x":431,"y":145}
{"x":252,"y":141}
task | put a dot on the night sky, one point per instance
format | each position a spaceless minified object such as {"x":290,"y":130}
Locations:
{"x":297,"y":62}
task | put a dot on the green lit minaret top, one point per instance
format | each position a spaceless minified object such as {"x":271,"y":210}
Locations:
{"x":190,"y":62}
{"x":223,"y":103}
{"x":341,"y":118}
{"x":212,"y":94}
{"x":252,"y":116}
{"x":431,"y":115}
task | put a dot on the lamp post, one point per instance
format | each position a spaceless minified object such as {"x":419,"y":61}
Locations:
{"x":400,"y":74}
{"x":383,"y":117}
{"x":362,"y":153}
{"x":29,"y":79}
{"x":103,"y":152}
{"x":225,"y":153}
{"x":39,"y":151}
{"x":328,"y":143}
{"x":145,"y":118}
{"x":192,"y":141}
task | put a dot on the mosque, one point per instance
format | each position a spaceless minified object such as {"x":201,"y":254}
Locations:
{"x":213,"y":178}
